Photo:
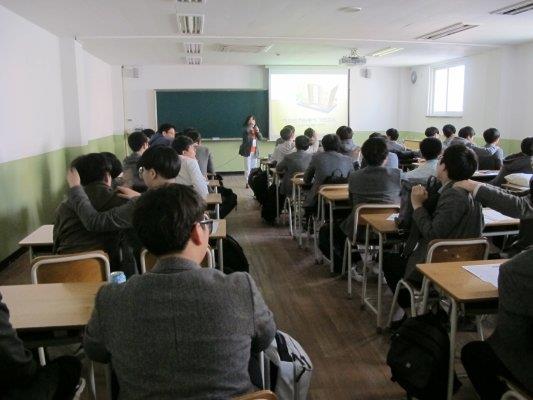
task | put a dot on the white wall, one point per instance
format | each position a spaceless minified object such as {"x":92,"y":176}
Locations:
{"x":497,"y":94}
{"x":374,"y":100}
{"x":53,"y":93}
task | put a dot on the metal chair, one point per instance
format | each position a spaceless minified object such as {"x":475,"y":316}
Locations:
{"x":351,"y":245}
{"x":442,"y":250}
{"x":290,"y":203}
{"x":80,"y":267}
{"x":148,"y":260}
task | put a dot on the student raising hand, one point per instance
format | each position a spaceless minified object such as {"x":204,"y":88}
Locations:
{"x":419,"y":194}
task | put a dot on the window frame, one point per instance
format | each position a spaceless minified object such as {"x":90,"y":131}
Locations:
{"x":431,"y":99}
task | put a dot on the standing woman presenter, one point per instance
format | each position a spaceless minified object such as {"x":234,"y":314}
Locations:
{"x":249,"y":148}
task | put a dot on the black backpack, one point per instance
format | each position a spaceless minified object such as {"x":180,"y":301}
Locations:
{"x":229,"y":201}
{"x":234,"y":258}
{"x":418,"y":358}
{"x":405,"y":217}
{"x":268,"y":210}
{"x":335,"y":178}
{"x":258,"y":182}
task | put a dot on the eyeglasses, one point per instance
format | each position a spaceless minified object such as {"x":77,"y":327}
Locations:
{"x":141,"y":170}
{"x":208,"y":222}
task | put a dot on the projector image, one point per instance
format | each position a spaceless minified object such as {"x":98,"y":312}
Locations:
{"x":319,"y":98}
{"x":353,"y":59}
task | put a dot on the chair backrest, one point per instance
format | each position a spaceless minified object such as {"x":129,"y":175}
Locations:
{"x":79,"y":267}
{"x":296,"y":175}
{"x":148,"y":260}
{"x":445,"y":250}
{"x":366,"y":208}
{"x":259,"y":395}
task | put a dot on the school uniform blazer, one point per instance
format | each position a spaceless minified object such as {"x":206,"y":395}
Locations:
{"x":457,"y":216}
{"x":180,"y":332}
{"x":190,"y":175}
{"x":493,"y":161}
{"x":513,"y":163}
{"x":322,"y":166}
{"x":291,"y":164}
{"x":512,"y":340}
{"x":205,"y":160}
{"x":376,"y":185}
{"x":247,"y":143}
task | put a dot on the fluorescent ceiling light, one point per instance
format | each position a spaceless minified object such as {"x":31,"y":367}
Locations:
{"x":192,"y":48}
{"x":190,"y":24}
{"x":192,"y":1}
{"x":193,"y":60}
{"x":447,"y":31}
{"x":350,"y":9}
{"x":515,"y":9}
{"x":386,"y":51}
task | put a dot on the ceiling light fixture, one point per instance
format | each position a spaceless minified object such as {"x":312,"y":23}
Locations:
{"x":192,"y":1}
{"x":447,"y":31}
{"x":515,"y":9}
{"x":192,"y":48}
{"x":349,"y":9}
{"x":190,"y":24}
{"x":193,"y":60}
{"x":386,"y":51}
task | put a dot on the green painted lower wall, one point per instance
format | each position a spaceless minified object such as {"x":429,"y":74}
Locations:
{"x":32,"y":188}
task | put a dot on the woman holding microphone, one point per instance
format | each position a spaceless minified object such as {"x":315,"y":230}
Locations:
{"x":249,"y":147}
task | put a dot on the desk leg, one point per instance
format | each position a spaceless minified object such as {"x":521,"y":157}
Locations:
{"x":220,"y":255}
{"x":277,"y":198}
{"x":300,"y":216}
{"x":30,"y":253}
{"x":453,"y":333}
{"x":217,"y":209}
{"x":365,"y":273}
{"x":380,"y":280}
{"x":331,"y":246}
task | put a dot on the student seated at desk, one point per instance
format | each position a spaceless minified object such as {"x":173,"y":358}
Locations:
{"x":466,"y":138}
{"x":21,"y":377}
{"x":508,"y":353}
{"x":203,"y":155}
{"x":493,"y":161}
{"x":288,"y":128}
{"x":376,"y":183}
{"x":286,"y":146}
{"x":515,"y":163}
{"x":293,"y":163}
{"x":432,"y":132}
{"x":430,"y":149}
{"x":179,"y":331}
{"x":392,"y":140}
{"x":314,"y":143}
{"x":348,"y":147}
{"x":70,"y":234}
{"x":448,"y":131}
{"x":190,"y":173}
{"x":392,"y":158}
{"x":164,"y":136}
{"x":456,"y":216}
{"x":138,"y":143}
{"x":323,"y":166}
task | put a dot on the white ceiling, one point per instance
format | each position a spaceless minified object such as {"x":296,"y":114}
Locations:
{"x":302,"y":32}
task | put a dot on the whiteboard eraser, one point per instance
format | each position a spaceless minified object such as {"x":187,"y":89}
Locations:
{"x":215,"y":138}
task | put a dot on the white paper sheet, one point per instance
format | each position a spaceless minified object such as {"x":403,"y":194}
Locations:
{"x":392,"y":217}
{"x":491,"y":215}
{"x":487,"y":273}
{"x":215,"y":227}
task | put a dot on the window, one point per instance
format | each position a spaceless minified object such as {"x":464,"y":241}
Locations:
{"x":446,"y":91}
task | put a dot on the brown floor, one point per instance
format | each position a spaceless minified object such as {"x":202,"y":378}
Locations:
{"x":340,"y":338}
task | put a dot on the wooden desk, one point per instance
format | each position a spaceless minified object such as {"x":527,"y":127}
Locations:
{"x":413,"y":145}
{"x":50,"y":306}
{"x":514,"y":188}
{"x":460,"y":286}
{"x":485,"y":175}
{"x":42,"y":236}
{"x":333,"y":195}
{"x":214,"y":199}
{"x":219,"y":234}
{"x":214,"y":183}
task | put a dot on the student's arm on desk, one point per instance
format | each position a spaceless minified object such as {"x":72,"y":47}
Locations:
{"x":509,"y":204}
{"x":115,"y":219}
{"x":449,"y":212}
{"x":93,"y":338}
{"x":264,"y":325}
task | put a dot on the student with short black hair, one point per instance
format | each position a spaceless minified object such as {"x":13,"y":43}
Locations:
{"x":314,"y":143}
{"x":456,"y":216}
{"x":516,"y":163}
{"x":293,"y":163}
{"x":431,"y":132}
{"x":157,"y":321}
{"x":116,"y":166}
{"x":190,"y":173}
{"x":148,"y":132}
{"x":392,"y":140}
{"x":164,"y":136}
{"x":430,"y":149}
{"x":286,"y":146}
{"x":448,"y":131}
{"x":203,"y":155}
{"x":392,"y":158}
{"x":493,"y":161}
{"x":376,"y":183}
{"x":348,"y":147}
{"x":138,"y":143}
{"x":324,"y":165}
{"x":465,"y":137}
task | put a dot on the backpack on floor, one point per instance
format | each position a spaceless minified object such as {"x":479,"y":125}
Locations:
{"x":289,"y":369}
{"x":234,"y":258}
{"x":229,"y":201}
{"x":258,"y":182}
{"x":418,"y":358}
{"x":268,"y":210}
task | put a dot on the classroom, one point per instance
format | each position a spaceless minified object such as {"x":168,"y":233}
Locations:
{"x":266,"y":200}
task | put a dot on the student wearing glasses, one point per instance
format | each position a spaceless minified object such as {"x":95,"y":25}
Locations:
{"x":179,"y":331}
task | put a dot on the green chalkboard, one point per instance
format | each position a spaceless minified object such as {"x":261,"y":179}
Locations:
{"x":215,"y":113}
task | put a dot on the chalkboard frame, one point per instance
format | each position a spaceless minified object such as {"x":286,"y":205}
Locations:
{"x":262,"y":113}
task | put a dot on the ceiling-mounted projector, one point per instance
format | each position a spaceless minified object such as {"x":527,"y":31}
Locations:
{"x":353,"y":59}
